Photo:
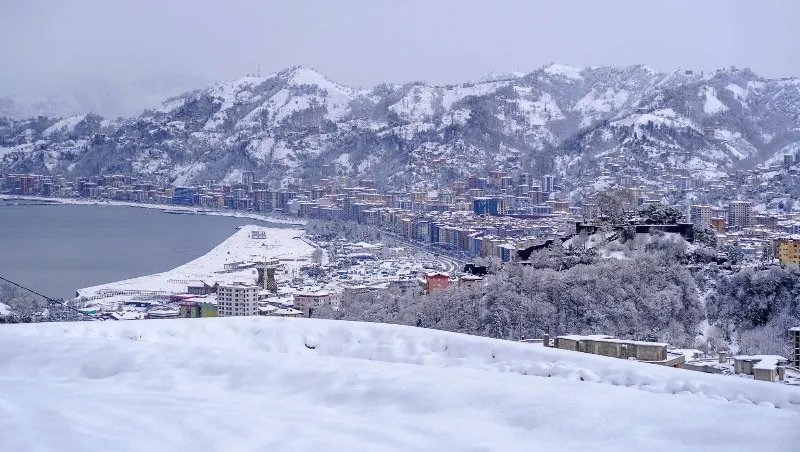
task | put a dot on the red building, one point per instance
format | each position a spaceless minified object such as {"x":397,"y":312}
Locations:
{"x":435,"y":281}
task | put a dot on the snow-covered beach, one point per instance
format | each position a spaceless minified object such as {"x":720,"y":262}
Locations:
{"x":249,"y":244}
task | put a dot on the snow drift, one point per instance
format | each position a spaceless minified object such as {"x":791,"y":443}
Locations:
{"x":303,"y":384}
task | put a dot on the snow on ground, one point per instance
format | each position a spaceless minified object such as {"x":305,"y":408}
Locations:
{"x":64,"y":126}
{"x":738,"y":92}
{"x":665,"y":116}
{"x":777,"y":157}
{"x":453,"y":94}
{"x":261,"y":148}
{"x":712,"y":103}
{"x":4,"y":309}
{"x":252,"y":384}
{"x":501,"y":76}
{"x":25,"y":147}
{"x":229,"y":93}
{"x":569,"y":72}
{"x":538,"y":112}
{"x":240,"y":247}
{"x":417,"y":105}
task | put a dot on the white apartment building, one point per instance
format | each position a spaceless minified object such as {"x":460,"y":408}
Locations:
{"x":700,"y":215}
{"x":548,"y":181}
{"x":740,"y":214}
{"x":237,"y":299}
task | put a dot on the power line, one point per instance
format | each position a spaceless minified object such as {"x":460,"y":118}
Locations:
{"x":51,"y":300}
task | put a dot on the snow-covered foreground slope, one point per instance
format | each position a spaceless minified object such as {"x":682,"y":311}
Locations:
{"x":251,"y":384}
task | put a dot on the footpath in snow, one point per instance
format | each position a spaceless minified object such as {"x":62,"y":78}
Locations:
{"x":303,"y":384}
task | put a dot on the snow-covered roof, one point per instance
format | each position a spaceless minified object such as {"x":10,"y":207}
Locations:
{"x":578,"y":337}
{"x":764,"y":362}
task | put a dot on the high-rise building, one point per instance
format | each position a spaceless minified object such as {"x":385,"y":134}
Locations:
{"x":525,"y":179}
{"x":248,"y":177}
{"x":740,"y":214}
{"x":547,"y":183}
{"x":794,"y":334}
{"x":488,"y":206}
{"x":237,"y":299}
{"x":700,"y":215}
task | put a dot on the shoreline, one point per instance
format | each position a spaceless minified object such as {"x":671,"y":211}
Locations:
{"x":284,"y":244}
{"x":163,"y":207}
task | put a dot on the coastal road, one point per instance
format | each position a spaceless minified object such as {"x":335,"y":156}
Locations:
{"x":442,"y":258}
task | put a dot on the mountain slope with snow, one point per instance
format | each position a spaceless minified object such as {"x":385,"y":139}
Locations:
{"x":558,"y":119}
{"x":302,"y":384}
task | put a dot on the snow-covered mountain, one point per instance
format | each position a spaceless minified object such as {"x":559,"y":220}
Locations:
{"x":557,"y":119}
{"x":221,"y":384}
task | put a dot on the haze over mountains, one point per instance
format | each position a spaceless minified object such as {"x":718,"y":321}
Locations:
{"x":557,"y":119}
{"x":123,"y":96}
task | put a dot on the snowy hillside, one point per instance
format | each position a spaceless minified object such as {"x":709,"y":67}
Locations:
{"x":557,"y":119}
{"x":301,"y":384}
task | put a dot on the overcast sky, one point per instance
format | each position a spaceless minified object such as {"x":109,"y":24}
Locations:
{"x":364,"y":42}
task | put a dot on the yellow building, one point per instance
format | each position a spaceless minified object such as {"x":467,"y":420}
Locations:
{"x":196,"y":309}
{"x":787,"y":250}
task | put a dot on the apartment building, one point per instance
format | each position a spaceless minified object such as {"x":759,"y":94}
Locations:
{"x":795,"y":343}
{"x":548,"y":183}
{"x":740,"y":214}
{"x":787,"y":250}
{"x":700,"y":215}
{"x":237,"y":299}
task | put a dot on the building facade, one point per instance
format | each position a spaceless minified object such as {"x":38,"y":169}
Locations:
{"x":700,"y":215}
{"x":237,"y":299}
{"x":787,"y":250}
{"x":740,"y":214}
{"x":436,"y":281}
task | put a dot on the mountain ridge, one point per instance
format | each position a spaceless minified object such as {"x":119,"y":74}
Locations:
{"x":289,"y":125}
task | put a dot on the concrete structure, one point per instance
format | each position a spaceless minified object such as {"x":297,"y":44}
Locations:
{"x":237,"y":299}
{"x":761,"y":367}
{"x":740,"y":214}
{"x":548,"y":181}
{"x":488,"y":206}
{"x":700,"y":215}
{"x":649,"y":352}
{"x":436,"y":281}
{"x":468,"y":280}
{"x":787,"y":250}
{"x":306,"y":301}
{"x":198,"y":307}
{"x":718,"y":224}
